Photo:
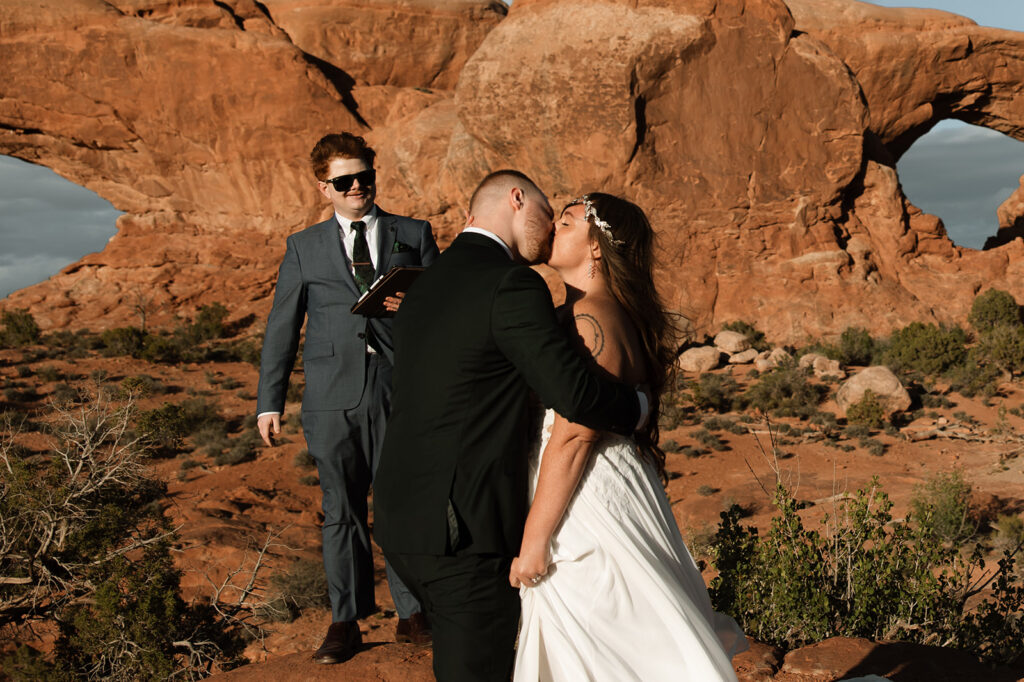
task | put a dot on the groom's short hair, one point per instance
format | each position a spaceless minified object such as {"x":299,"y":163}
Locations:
{"x":339,"y":145}
{"x":497,"y":184}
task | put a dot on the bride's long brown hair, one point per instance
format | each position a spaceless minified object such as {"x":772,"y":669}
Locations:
{"x":628,"y":268}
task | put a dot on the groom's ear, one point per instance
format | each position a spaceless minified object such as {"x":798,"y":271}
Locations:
{"x":516,"y":199}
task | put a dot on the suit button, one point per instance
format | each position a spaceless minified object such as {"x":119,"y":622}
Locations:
{"x":361,"y":335}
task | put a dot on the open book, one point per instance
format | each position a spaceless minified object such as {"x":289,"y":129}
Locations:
{"x":371,"y":303}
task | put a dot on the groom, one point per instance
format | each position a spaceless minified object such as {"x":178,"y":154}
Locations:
{"x":347,"y":363}
{"x":474,"y":335}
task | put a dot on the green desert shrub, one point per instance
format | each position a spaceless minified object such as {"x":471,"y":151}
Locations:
{"x":869,"y":411}
{"x":873,"y":446}
{"x":208,"y":324}
{"x":785,"y":391}
{"x":714,"y":392}
{"x":942,"y":508}
{"x":243,"y":449}
{"x":974,"y":377}
{"x":856,"y":347}
{"x":994,"y":308}
{"x":165,"y":428}
{"x":305,"y":460}
{"x":862,"y":575}
{"x":302,"y":586}
{"x":19,"y":328}
{"x":1008,"y":532}
{"x":49,"y":374}
{"x":1001,"y":346}
{"x":926,"y":348}
{"x":140,"y":386}
{"x":710,"y":440}
{"x":167,"y":348}
{"x":90,"y":549}
{"x":123,"y":341}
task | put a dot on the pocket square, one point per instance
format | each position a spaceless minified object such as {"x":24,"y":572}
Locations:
{"x":400,"y":247}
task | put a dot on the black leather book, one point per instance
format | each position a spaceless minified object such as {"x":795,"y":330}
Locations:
{"x":371,"y":304}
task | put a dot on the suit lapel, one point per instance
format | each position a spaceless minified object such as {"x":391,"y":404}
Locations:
{"x":331,"y":238}
{"x":386,"y":230}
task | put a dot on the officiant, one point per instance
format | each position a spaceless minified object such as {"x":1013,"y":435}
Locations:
{"x":347,"y":363}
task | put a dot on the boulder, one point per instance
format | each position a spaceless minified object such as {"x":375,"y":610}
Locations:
{"x":767,"y":360}
{"x":743,"y":357}
{"x":822,"y":366}
{"x":700,"y":359}
{"x":880,"y":381}
{"x":731,"y":342}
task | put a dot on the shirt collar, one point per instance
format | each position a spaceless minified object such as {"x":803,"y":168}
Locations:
{"x":491,"y":235}
{"x":346,"y":224}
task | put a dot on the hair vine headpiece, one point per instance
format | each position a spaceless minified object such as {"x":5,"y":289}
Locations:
{"x":590,"y":212}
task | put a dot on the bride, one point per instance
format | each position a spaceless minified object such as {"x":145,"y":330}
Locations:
{"x":609,"y":590}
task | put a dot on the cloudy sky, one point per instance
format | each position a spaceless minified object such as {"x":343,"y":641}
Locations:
{"x":46,"y":223}
{"x":958,"y":172}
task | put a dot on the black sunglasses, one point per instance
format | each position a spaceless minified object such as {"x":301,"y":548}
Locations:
{"x":343,"y":183}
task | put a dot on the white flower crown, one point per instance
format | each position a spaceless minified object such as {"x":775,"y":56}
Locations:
{"x":589,"y":212}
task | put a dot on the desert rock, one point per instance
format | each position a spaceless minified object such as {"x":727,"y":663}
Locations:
{"x":731,"y":342}
{"x":880,"y":381}
{"x":700,"y":359}
{"x":743,"y":357}
{"x":822,"y":366}
{"x":1011,"y":218}
{"x":767,"y":360}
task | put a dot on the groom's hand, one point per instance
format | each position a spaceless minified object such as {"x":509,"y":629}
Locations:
{"x":267,"y":424}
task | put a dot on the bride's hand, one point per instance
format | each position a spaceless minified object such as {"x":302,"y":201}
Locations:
{"x":528,"y":569}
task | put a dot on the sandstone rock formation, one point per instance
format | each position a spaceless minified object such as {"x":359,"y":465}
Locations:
{"x":1011,"y":219}
{"x":760,"y":136}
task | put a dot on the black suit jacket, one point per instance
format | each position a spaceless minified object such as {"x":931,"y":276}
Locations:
{"x":474,"y":334}
{"x":315,"y":286}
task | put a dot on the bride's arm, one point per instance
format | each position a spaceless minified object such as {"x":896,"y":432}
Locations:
{"x":564,"y":460}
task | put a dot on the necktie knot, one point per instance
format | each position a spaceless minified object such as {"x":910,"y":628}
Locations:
{"x":359,"y":227}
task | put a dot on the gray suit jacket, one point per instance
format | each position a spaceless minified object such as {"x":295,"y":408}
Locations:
{"x":315,"y":284}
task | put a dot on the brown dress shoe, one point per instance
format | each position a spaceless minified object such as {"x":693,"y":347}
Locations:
{"x":342,"y":642}
{"x":415,"y":630}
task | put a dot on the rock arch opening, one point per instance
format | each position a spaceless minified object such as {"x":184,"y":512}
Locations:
{"x":963,"y":173}
{"x":46,"y":223}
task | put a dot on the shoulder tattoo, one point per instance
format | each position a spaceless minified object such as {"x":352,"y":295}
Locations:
{"x":591,"y":332}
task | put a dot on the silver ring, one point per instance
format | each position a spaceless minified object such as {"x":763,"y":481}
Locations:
{"x":535,"y":579}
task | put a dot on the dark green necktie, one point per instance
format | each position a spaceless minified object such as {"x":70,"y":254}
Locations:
{"x":361,"y":265}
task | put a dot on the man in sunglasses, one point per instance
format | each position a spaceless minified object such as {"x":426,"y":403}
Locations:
{"x":347,"y":363}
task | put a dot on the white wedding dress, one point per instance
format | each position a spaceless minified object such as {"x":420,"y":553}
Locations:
{"x":623,"y":599}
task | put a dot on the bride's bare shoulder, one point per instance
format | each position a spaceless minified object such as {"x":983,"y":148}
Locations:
{"x":603,"y":328}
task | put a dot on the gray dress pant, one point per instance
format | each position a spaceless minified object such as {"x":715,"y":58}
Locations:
{"x":346,"y":446}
